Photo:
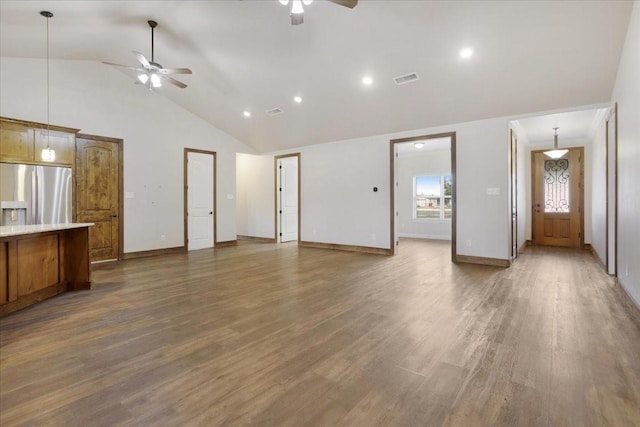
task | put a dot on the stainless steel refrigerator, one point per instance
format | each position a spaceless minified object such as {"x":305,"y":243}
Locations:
{"x":32,"y":194}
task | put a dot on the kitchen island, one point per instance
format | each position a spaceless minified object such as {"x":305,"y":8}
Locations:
{"x":40,"y":261}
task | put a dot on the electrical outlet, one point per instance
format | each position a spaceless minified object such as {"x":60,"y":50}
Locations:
{"x":163,"y":237}
{"x":469,"y":243}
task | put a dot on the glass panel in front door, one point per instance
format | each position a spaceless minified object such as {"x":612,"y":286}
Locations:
{"x":556,"y":186}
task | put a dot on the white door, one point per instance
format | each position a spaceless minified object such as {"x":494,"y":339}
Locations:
{"x":200,"y":193}
{"x":288,"y":198}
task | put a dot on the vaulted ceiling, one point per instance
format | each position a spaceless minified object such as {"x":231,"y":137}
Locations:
{"x":246,"y":56}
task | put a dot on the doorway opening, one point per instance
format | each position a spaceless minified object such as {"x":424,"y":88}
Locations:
{"x":287,"y":198}
{"x":199,"y":199}
{"x":423,"y":189}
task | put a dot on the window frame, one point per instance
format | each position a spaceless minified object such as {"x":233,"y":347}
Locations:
{"x":441,"y":198}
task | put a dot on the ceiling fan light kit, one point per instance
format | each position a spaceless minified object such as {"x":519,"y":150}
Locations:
{"x":296,"y":9}
{"x":152,"y":74}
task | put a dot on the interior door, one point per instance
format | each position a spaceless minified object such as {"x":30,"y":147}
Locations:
{"x":200,"y":199}
{"x":558,"y":199}
{"x":97,"y":195}
{"x":288,"y":200}
{"x":513,"y":159}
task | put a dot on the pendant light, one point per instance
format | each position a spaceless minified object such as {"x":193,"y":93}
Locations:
{"x":555,"y":153}
{"x":48,"y":154}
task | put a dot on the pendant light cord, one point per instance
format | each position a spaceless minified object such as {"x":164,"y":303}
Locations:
{"x":48,"y":90}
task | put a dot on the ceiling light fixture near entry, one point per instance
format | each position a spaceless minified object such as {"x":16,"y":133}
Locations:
{"x":246,"y":114}
{"x":367,"y":80}
{"x":555,"y":153}
{"x":418,"y":144}
{"x":297,"y":99}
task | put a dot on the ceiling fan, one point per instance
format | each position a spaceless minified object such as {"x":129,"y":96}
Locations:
{"x":296,"y":10}
{"x":152,"y":74}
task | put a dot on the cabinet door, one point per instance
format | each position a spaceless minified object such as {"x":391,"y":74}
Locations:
{"x":16,"y":143}
{"x":63,"y":143}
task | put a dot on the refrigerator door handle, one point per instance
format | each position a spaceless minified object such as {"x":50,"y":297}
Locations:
{"x":34,"y":197}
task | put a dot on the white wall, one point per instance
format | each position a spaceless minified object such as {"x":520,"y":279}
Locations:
{"x":100,"y":100}
{"x":255,"y":195}
{"x":626,"y":93}
{"x":599,"y":194}
{"x":524,"y":213}
{"x":339,"y":206}
{"x":432,"y":162}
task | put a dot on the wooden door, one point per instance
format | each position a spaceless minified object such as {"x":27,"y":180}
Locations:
{"x":97,"y":194}
{"x":558,"y":199}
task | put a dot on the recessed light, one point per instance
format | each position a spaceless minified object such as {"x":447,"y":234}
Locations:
{"x":367,"y":80}
{"x":466,"y":53}
{"x":297,"y":99}
{"x":247,"y":114}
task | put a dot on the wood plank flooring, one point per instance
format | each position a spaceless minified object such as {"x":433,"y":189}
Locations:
{"x":270,"y":335}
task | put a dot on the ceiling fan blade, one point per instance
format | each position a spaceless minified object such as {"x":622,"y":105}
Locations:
{"x":173,"y":81}
{"x":297,"y":18}
{"x":123,"y":66}
{"x":347,"y":3}
{"x":141,"y":59}
{"x":175,"y":71}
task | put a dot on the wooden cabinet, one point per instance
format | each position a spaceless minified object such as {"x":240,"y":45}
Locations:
{"x":42,"y":261}
{"x":22,"y":142}
{"x":16,"y":143}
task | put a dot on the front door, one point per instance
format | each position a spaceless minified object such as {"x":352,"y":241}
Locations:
{"x":557,"y":199}
{"x":97,"y":194}
{"x":200,"y":199}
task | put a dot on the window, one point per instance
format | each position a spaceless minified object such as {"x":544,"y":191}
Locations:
{"x":432,"y":197}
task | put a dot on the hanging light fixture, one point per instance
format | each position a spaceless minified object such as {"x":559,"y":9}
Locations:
{"x":296,"y":11}
{"x":555,"y":153}
{"x":48,"y":154}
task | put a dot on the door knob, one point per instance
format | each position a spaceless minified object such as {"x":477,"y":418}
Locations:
{"x":114,"y":216}
{"x":211,"y":213}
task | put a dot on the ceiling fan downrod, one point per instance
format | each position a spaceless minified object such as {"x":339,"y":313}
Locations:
{"x":153,"y":25}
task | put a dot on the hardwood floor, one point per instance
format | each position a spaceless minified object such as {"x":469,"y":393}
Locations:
{"x":269,"y":335}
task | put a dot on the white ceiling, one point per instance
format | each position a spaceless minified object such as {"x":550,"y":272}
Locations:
{"x":572,"y":125}
{"x":529,"y":56}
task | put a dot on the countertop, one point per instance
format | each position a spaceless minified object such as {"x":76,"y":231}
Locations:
{"x":17,"y":230}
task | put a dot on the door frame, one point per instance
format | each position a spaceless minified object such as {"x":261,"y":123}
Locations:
{"x":186,"y":196}
{"x":392,"y":187}
{"x":513,"y":171}
{"x":120,"y":143}
{"x":533,"y":192}
{"x":275,"y":194}
{"x":611,"y":145}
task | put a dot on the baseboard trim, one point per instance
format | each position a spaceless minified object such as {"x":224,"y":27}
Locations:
{"x":626,"y":291}
{"x":154,"y":252}
{"x":494,"y":262}
{"x":424,"y":236}
{"x":349,"y":248}
{"x":257,"y":239}
{"x":226,"y":244}
{"x":523,"y":246}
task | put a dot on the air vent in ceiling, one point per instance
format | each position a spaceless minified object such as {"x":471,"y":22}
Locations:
{"x":408,"y":78}
{"x":273,"y":112}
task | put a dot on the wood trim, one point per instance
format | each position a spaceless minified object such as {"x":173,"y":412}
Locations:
{"x":186,"y":197}
{"x":275,"y":193}
{"x":494,"y":262}
{"x":226,"y":244}
{"x":38,"y":125}
{"x":257,"y":239}
{"x":392,"y":187}
{"x":120,"y":143}
{"x":617,"y":194}
{"x":606,"y":193}
{"x":349,"y":248}
{"x":155,"y":252}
